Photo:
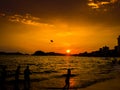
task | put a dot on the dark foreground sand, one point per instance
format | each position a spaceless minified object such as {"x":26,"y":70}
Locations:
{"x":112,"y":84}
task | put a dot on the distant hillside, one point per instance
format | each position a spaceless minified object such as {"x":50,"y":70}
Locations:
{"x":41,"y":53}
{"x":11,"y":53}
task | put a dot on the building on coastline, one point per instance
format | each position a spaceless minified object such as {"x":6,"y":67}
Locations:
{"x":105,"y":51}
{"x":118,"y":47}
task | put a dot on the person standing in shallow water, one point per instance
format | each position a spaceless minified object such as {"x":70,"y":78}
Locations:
{"x":17,"y":73}
{"x":27,"y":78}
{"x":67,"y":80}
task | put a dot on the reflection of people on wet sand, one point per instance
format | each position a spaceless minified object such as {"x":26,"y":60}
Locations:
{"x":3,"y":78}
{"x":27,"y":78}
{"x":67,"y":80}
{"x":17,"y":73}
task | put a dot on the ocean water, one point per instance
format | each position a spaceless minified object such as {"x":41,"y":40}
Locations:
{"x":48,"y":72}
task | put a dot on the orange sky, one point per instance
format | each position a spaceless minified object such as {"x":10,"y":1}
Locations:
{"x":67,"y":23}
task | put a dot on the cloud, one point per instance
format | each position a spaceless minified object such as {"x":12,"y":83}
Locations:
{"x":69,"y":11}
{"x":26,"y":19}
{"x":100,"y":3}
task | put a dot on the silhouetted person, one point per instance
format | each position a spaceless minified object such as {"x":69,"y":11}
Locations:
{"x":27,"y":78}
{"x":3,"y":78}
{"x":114,"y":61}
{"x":17,"y":73}
{"x":119,"y":62}
{"x":67,"y":80}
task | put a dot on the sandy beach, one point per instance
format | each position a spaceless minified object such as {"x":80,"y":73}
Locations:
{"x":112,"y":84}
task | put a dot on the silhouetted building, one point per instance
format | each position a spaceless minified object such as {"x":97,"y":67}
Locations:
{"x":118,"y":47}
{"x":118,"y":40}
{"x":105,"y":51}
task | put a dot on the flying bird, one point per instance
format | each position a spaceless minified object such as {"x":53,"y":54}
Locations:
{"x":51,"y":41}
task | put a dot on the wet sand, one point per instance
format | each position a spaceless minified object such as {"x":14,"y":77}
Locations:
{"x":112,"y":84}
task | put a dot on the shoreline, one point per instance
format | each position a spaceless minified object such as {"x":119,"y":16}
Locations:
{"x":107,"y":84}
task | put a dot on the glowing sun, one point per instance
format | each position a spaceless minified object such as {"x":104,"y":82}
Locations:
{"x":68,"y":51}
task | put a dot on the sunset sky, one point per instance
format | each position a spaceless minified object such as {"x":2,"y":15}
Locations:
{"x":78,"y":25}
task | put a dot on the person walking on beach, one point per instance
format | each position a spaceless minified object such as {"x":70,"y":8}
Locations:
{"x":67,"y":80}
{"x":27,"y":78}
{"x":17,"y":73}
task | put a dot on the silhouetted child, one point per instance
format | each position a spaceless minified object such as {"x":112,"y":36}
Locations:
{"x":17,"y":73}
{"x":67,"y":80}
{"x":3,"y":78}
{"x":27,"y":78}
